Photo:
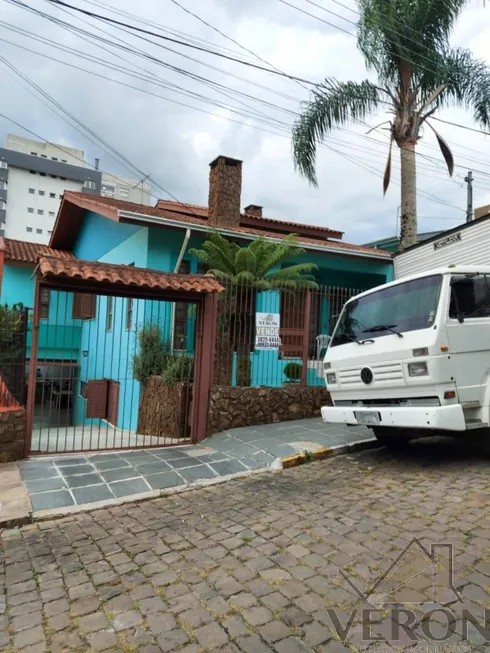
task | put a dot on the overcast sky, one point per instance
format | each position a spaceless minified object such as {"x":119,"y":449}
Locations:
{"x":175,"y":143}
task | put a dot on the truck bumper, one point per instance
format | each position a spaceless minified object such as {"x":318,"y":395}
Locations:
{"x":447,"y":418}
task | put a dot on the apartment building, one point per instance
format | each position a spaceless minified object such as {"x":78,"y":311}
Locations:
{"x":34,"y":176}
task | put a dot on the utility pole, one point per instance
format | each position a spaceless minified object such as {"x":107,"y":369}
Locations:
{"x":469,"y":202}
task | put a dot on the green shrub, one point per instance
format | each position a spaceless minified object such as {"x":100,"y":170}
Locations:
{"x":180,"y":369}
{"x":243,"y":370}
{"x":293,"y":371}
{"x":153,"y":356}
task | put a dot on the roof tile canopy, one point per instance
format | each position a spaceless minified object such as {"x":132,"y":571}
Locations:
{"x":24,"y":252}
{"x":50,"y":266}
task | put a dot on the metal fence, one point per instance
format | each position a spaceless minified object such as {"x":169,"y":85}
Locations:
{"x":13,"y":338}
{"x":273,"y":337}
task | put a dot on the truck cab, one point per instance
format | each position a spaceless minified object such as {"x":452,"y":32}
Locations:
{"x":412,"y":357}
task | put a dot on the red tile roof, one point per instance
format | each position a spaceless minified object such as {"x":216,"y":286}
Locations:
{"x":128,"y":275}
{"x":24,"y":252}
{"x":111,"y":207}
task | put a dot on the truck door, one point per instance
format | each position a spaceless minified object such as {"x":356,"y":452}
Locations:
{"x":468,"y":328}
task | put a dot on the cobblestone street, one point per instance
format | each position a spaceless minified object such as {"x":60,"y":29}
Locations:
{"x":253,"y":565}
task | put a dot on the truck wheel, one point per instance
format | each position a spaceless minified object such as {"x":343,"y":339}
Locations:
{"x":391,"y":438}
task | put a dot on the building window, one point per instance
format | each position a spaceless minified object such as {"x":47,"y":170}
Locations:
{"x":110,"y":313}
{"x":3,"y":164}
{"x":53,"y":176}
{"x":84,"y":306}
{"x":52,"y":195}
{"x":30,"y":209}
{"x":43,"y":156}
{"x":41,"y":192}
{"x":123,"y":192}
{"x":40,"y":211}
{"x":63,"y":160}
{"x":54,"y":158}
{"x":107,"y":190}
{"x":39,"y":231}
{"x":49,"y":233}
{"x":61,"y":197}
{"x":29,"y":229}
{"x":33,"y":172}
{"x":89,"y":184}
{"x":63,"y":178}
{"x":43,"y":174}
{"x":44,"y":307}
{"x":31,"y":191}
{"x":34,"y":153}
{"x":51,"y":214}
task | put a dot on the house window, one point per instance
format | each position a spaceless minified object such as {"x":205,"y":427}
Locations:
{"x":41,"y":192}
{"x":292,"y":323}
{"x":52,"y":195}
{"x":83,"y":389}
{"x":30,"y":209}
{"x":44,"y":306}
{"x":31,"y":191}
{"x":29,"y":229}
{"x":180,"y":317}
{"x":40,"y":211}
{"x":110,"y":313}
{"x":39,"y":231}
{"x":84,"y":306}
{"x":90,"y":185}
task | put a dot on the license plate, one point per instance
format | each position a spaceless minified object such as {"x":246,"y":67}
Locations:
{"x":372,"y":418}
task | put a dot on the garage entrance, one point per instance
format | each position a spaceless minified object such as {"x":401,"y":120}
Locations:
{"x":120,"y":358}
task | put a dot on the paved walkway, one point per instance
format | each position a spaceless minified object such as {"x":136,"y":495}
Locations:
{"x":60,"y":482}
{"x":254,"y":565}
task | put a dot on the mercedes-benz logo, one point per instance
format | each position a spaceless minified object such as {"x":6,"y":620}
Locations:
{"x":366,"y":375}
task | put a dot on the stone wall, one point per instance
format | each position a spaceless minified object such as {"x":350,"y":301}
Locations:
{"x":165,"y":409}
{"x":12,"y":434}
{"x":234,"y":407}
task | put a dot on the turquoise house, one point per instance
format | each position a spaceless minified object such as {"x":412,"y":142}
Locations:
{"x":97,"y":337}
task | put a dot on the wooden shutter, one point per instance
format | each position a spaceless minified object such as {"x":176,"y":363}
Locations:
{"x":97,"y":398}
{"x":113,"y":402}
{"x":84,"y":306}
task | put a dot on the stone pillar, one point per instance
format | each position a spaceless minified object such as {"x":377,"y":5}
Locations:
{"x":12,"y":434}
{"x":225,"y":188}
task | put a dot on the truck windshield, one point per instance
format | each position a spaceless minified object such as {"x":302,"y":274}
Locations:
{"x":405,"y":307}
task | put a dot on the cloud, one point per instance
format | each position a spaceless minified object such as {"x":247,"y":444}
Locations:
{"x":175,"y":143}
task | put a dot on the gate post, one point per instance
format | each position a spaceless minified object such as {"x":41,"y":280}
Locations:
{"x":306,"y":338}
{"x":31,"y":388}
{"x":204,"y":365}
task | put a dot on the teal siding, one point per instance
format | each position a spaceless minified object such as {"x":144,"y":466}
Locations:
{"x":99,"y":235}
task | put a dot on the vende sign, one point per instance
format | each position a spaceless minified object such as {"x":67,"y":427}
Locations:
{"x":267,"y":330}
{"x":449,"y":240}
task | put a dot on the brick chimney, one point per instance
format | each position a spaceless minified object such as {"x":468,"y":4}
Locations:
{"x":253,"y":210}
{"x":225,"y":187}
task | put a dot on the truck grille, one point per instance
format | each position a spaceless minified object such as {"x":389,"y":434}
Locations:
{"x":382,"y":372}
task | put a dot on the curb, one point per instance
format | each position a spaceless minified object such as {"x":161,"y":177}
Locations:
{"x":328,"y":452}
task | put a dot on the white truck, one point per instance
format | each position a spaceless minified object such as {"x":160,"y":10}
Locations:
{"x":412,"y":357}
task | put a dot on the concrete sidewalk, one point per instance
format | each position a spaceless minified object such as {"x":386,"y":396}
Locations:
{"x":70,"y":483}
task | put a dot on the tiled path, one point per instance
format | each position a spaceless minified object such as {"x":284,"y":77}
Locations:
{"x":254,"y":565}
{"x":62,"y":481}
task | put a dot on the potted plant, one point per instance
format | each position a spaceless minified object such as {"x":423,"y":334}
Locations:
{"x":293,"y":372}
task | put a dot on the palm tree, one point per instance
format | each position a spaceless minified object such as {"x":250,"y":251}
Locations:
{"x":244,"y":271}
{"x":406,"y":43}
{"x":258,"y":265}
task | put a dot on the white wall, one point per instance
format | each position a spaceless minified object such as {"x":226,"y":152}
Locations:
{"x":44,"y":150}
{"x":124,"y":188}
{"x":19,"y":219}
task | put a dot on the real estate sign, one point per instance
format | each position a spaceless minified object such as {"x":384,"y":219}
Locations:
{"x":267,"y":331}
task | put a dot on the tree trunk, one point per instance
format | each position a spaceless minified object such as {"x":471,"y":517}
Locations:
{"x":408,"y":228}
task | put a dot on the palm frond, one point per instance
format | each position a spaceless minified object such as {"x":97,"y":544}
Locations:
{"x":334,"y":103}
